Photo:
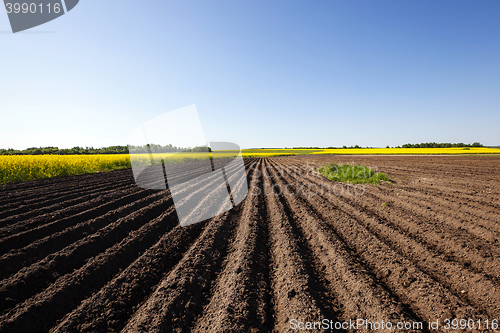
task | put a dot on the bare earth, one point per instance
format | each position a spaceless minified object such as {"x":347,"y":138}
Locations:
{"x":95,"y":253}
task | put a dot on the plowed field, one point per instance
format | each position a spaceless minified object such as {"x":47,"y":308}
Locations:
{"x":95,"y":253}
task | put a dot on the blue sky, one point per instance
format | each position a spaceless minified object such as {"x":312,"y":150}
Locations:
{"x":261,"y":73}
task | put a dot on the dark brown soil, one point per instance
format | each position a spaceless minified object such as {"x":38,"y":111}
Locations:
{"x":95,"y":253}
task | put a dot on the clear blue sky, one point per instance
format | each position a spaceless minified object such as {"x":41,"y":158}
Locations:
{"x":261,"y":73}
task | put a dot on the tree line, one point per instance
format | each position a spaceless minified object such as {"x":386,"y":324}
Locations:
{"x":441,"y":145}
{"x":408,"y":145}
{"x":149,"y":148}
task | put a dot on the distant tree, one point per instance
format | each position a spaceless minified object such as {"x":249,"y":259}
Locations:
{"x":441,"y":145}
{"x":201,"y":149}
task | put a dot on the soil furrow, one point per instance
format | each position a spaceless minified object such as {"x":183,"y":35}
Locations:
{"x":35,"y":278}
{"x":180,"y":297}
{"x":299,"y":290}
{"x":424,"y":295}
{"x":41,"y":312}
{"x":471,"y":286}
{"x":16,"y":259}
{"x":357,"y":290}
{"x":24,"y":238}
{"x":451,"y":245}
{"x":11,"y":193}
{"x":474,"y":208}
{"x":26,"y":210}
{"x":393,"y":209}
{"x":430,"y":209}
{"x":62,"y":212}
{"x":239,"y":300}
{"x":110,"y":308}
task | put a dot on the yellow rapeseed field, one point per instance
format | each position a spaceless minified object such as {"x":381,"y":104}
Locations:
{"x":411,"y":151}
{"x":19,"y":168}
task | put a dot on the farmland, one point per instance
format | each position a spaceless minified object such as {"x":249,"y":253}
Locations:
{"x":96,"y":253}
{"x":19,"y":168}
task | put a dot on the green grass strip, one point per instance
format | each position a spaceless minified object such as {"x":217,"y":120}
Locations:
{"x":354,"y":174}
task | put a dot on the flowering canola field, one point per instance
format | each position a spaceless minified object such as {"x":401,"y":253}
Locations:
{"x":20,"y":168}
{"x":411,"y":151}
